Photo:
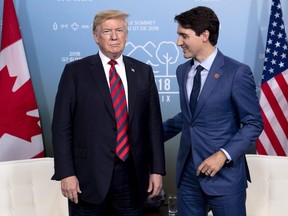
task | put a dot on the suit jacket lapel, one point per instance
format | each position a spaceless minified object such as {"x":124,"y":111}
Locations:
{"x":213,"y":77}
{"x":132,"y":85}
{"x":98,"y":73}
{"x":183,"y":80}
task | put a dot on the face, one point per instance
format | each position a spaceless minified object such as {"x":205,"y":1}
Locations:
{"x":111,"y":37}
{"x":190,"y":43}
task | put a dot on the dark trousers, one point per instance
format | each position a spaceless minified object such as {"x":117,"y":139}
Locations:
{"x":122,"y":198}
{"x":192,"y":200}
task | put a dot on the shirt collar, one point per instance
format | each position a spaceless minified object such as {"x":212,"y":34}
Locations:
{"x":207,"y":63}
{"x":105,"y":59}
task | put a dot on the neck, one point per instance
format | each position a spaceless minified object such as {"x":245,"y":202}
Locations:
{"x":205,"y":53}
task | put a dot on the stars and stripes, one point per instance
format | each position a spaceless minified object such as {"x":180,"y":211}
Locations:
{"x":274,"y":88}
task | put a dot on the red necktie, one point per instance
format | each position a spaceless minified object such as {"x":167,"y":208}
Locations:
{"x":120,"y":109}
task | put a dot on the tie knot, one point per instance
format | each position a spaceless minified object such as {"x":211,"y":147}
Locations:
{"x":199,"y":68}
{"x":112,"y":62}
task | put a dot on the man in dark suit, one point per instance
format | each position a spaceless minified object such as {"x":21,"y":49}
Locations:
{"x":107,"y":127}
{"x":218,"y":124}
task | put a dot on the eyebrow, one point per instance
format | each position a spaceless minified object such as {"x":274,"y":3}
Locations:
{"x":182,"y":34}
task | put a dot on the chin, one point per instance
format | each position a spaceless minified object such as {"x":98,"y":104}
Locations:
{"x":187,"y":56}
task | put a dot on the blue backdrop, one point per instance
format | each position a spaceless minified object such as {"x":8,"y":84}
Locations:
{"x":56,"y":32}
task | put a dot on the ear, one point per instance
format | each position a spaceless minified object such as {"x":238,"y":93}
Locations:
{"x":205,"y":36}
{"x":95,"y":36}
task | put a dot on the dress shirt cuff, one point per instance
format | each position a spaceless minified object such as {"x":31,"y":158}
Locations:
{"x":227,"y":155}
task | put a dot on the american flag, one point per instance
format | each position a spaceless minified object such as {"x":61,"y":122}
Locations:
{"x":274,"y":88}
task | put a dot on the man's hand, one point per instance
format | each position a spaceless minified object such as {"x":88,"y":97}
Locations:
{"x":155,"y":185}
{"x":211,"y":165}
{"x":70,"y":188}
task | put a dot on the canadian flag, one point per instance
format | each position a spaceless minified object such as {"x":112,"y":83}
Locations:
{"x":20,"y":129}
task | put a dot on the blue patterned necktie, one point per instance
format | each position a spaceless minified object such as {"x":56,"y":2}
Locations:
{"x":196,"y":89}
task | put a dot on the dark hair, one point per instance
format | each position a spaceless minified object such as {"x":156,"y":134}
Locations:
{"x":200,"y":19}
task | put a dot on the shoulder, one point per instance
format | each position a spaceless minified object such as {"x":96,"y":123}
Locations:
{"x":184,"y":67}
{"x":229,"y":61}
{"x":83,"y":61}
{"x":80,"y":67}
{"x":135,"y":62}
{"x":186,"y":64}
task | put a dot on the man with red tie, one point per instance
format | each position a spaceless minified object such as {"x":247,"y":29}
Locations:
{"x":107,"y":127}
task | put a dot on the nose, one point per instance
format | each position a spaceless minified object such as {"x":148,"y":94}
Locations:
{"x":179,"y":41}
{"x":114,"y":35}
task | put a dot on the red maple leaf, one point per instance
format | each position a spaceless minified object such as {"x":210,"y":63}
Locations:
{"x":14,"y":107}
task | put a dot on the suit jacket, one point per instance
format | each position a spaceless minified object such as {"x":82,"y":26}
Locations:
{"x":84,"y":127}
{"x":226,"y":116}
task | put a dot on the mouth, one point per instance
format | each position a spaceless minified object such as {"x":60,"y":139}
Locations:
{"x":114,"y":45}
